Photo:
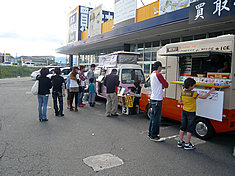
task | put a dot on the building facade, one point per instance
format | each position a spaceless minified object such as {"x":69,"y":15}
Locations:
{"x":154,"y":28}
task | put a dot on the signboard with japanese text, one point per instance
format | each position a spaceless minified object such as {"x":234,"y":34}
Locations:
{"x":72,"y":31}
{"x":191,"y":47}
{"x":95,"y":21}
{"x":124,"y":10}
{"x":204,"y":10}
{"x":167,"y":6}
{"x":212,"y":107}
{"x":83,"y":20}
{"x":108,"y":60}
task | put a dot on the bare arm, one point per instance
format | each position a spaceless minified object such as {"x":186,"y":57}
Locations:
{"x":205,"y":96}
{"x":224,"y":68}
{"x":180,"y":101}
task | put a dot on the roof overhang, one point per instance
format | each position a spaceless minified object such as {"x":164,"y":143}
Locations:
{"x":170,"y":25}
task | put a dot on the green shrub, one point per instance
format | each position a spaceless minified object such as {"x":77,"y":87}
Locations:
{"x":14,"y":71}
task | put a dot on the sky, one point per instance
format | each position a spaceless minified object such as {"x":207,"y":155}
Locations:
{"x":35,"y":28}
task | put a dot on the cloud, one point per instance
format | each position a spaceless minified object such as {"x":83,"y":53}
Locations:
{"x":44,"y":37}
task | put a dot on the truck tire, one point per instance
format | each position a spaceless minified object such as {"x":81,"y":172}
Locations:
{"x":203,"y":129}
{"x":148,"y":111}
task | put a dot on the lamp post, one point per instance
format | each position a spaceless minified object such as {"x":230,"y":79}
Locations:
{"x":16,"y":60}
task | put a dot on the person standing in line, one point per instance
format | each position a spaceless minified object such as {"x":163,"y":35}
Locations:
{"x":74,"y":87}
{"x":111,"y":82}
{"x":57,"y":92}
{"x":92,"y":92}
{"x":91,"y":74}
{"x":82,"y":86}
{"x":158,"y":83}
{"x":43,"y":93}
{"x":67,"y":88}
{"x":188,"y":98}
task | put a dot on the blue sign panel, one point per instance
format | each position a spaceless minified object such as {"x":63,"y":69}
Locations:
{"x":204,"y":10}
{"x":83,"y":20}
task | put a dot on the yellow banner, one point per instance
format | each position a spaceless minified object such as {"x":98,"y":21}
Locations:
{"x":128,"y":101}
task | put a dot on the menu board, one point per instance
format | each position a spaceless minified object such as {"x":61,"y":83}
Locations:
{"x":212,"y":107}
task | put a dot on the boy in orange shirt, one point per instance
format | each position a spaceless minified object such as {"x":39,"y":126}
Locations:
{"x":188,"y":99}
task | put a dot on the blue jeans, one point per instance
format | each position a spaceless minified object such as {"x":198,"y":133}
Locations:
{"x":155,"y":117}
{"x":58,"y":95}
{"x":80,"y":95}
{"x":42,"y":106}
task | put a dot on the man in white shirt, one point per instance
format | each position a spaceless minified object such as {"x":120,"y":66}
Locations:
{"x":158,"y":83}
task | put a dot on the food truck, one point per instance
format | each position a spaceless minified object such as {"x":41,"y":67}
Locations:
{"x":196,"y":59}
{"x":127,"y":69}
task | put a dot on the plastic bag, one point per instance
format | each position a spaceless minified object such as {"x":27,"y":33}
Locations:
{"x":34,"y":88}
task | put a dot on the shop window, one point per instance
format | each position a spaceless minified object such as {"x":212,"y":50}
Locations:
{"x":120,"y":48}
{"x":140,"y":47}
{"x":154,"y":56}
{"x":133,"y":48}
{"x":164,"y":42}
{"x":187,"y":38}
{"x":215,"y":34}
{"x":146,"y":68}
{"x":140,"y":58}
{"x":156,"y":44}
{"x":200,"y":36}
{"x":175,"y":40}
{"x":147,"y":46}
{"x":147,"y":56}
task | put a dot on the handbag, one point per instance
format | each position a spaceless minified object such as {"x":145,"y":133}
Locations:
{"x":35,"y":88}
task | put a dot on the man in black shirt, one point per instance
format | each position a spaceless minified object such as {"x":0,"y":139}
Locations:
{"x":111,"y":82}
{"x":58,"y":83}
{"x":219,"y":64}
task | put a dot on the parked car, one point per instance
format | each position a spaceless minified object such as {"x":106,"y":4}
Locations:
{"x":6,"y":64}
{"x":35,"y":74}
{"x":64,"y":73}
{"x":29,"y":64}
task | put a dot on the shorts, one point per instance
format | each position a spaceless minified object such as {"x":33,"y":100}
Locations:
{"x":68,"y":94}
{"x":188,"y":121}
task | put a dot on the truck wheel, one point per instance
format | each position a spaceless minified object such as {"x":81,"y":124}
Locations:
{"x":203,"y":128}
{"x":148,"y":111}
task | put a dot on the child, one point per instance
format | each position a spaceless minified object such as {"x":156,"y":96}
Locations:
{"x":188,"y":99}
{"x":92,"y":92}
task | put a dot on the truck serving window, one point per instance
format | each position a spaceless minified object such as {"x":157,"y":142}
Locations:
{"x":129,"y":76}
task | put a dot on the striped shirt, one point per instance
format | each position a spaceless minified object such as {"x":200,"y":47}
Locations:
{"x":189,"y":98}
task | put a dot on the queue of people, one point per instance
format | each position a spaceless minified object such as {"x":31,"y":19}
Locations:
{"x":75,"y":89}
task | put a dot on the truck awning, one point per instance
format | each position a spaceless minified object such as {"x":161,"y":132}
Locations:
{"x":195,"y":53}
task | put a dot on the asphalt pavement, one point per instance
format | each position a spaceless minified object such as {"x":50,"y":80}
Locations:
{"x":89,"y":143}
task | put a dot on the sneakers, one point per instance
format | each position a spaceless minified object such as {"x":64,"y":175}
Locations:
{"x":108,"y":115}
{"x":156,"y":139}
{"x":189,"y":146}
{"x":83,"y":104}
{"x":180,"y":144}
{"x":114,"y":114}
{"x":80,"y":105}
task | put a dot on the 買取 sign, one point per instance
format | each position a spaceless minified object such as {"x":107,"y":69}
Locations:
{"x":204,"y":10}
